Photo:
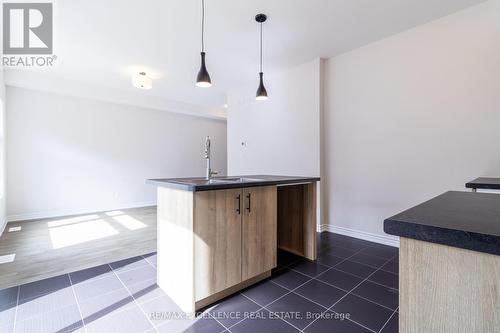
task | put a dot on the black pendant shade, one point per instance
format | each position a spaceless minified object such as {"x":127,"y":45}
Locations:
{"x":261,"y":94}
{"x":203,"y":78}
{"x":261,"y":90}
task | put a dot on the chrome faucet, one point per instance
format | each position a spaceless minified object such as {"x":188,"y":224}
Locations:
{"x":209,"y":173}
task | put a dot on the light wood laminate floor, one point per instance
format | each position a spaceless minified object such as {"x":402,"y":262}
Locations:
{"x":51,"y":247}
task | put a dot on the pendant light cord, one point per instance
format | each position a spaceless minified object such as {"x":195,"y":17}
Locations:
{"x":202,"y":25}
{"x":261,"y":47}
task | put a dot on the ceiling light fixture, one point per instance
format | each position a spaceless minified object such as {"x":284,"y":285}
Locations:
{"x":203,"y":78}
{"x":142,"y":81}
{"x":261,"y":90}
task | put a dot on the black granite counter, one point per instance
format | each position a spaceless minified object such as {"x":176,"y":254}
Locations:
{"x":484,"y":183}
{"x":222,"y":183}
{"x":461,"y":219}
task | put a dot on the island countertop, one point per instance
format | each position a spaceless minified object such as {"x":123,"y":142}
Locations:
{"x":460,"y":219}
{"x":484,"y":183}
{"x":196,"y":184}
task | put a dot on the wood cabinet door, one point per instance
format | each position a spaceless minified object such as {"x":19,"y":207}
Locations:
{"x":217,"y":241}
{"x":259,"y":240}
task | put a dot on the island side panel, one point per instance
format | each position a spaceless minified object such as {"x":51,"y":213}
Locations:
{"x":297,"y":219}
{"x":290,"y":218}
{"x":310,"y":223}
{"x":175,"y":246}
{"x":446,"y":289}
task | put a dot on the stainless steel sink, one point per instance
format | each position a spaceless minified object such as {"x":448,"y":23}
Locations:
{"x":218,"y":180}
{"x":233,"y":180}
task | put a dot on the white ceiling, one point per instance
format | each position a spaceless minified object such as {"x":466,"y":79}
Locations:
{"x":99,"y":44}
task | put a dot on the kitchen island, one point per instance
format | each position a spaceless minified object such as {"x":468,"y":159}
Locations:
{"x":218,"y":236}
{"x":449,"y":264}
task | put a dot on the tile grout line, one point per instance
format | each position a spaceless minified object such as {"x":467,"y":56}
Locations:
{"x":330,"y":308}
{"x":57,"y":310}
{"x":150,"y":264}
{"x":17,"y":306}
{"x":135,"y":301}
{"x":233,"y":325}
{"x":376,"y":269}
{"x":225,"y":328}
{"x":370,"y":265}
{"x":77,"y":303}
{"x":324,"y":307}
{"x":355,"y":322}
{"x":392,"y":315}
{"x":337,"y":287}
{"x":291,"y":291}
{"x":366,"y":279}
{"x":329,"y":267}
{"x":338,"y":269}
{"x":327,"y":308}
{"x":347,"y":291}
{"x":264,"y":308}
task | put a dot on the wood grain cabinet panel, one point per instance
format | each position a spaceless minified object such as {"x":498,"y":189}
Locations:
{"x":297,"y":219}
{"x":259,"y":230}
{"x":217,"y":241}
{"x":445,"y":289}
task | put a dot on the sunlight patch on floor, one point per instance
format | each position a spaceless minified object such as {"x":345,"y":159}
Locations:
{"x":7,"y":258}
{"x":71,"y":220}
{"x":78,"y":233}
{"x":129,"y":222}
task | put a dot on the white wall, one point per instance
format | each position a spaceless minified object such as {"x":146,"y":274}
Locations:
{"x":281,"y":134}
{"x":68,"y":155}
{"x":3,"y":219}
{"x":412,"y":116}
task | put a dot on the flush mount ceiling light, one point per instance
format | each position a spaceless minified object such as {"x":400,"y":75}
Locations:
{"x":261,"y":94}
{"x":142,"y":81}
{"x":203,"y":78}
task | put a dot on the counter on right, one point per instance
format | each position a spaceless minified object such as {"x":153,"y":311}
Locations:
{"x":449,"y":264}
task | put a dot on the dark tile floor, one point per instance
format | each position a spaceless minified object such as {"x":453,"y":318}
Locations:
{"x":351,"y":288}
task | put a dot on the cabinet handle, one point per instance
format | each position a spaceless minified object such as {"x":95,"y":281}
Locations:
{"x":238,"y":210}
{"x":249,"y":202}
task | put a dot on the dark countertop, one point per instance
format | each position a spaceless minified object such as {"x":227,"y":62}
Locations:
{"x":484,"y":183}
{"x":461,"y":219}
{"x":195,"y":184}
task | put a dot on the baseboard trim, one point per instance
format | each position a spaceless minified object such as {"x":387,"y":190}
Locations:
{"x":368,"y":236}
{"x":70,"y":212}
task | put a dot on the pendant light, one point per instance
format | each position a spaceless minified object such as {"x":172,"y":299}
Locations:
{"x":261,"y":94}
{"x":203,"y":78}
